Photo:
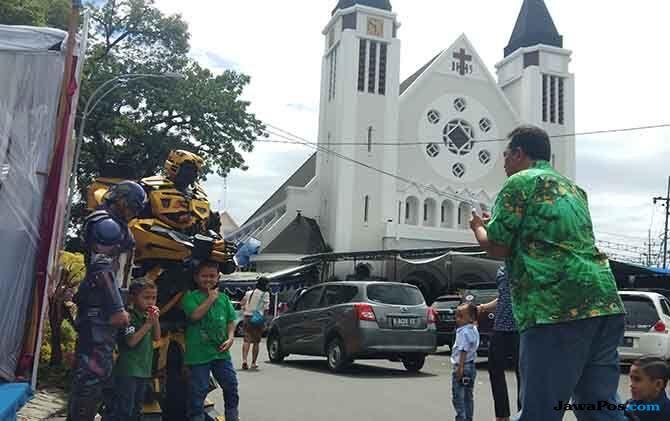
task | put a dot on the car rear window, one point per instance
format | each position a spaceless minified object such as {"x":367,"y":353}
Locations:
{"x":480,"y":296}
{"x":640,"y":312}
{"x":395,"y":294}
{"x":444,"y":304}
{"x":666,"y":307}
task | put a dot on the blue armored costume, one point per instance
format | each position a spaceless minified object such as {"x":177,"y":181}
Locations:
{"x":109,"y":248}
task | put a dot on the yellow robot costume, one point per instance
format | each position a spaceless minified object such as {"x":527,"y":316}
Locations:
{"x":172,"y":234}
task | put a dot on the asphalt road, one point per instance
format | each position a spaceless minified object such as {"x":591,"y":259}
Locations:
{"x":302,"y":389}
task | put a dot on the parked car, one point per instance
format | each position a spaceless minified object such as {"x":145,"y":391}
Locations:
{"x":647,"y":325}
{"x":344,"y":321}
{"x":482,"y":295}
{"x":445,"y":307}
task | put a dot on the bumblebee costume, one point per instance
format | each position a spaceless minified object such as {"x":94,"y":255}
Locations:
{"x":173,"y":234}
{"x":109,"y":245}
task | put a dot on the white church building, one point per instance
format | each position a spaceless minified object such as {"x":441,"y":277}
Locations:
{"x":401,"y":164}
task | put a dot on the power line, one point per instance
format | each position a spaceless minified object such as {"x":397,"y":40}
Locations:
{"x":430,"y":142}
{"x":370,"y":167}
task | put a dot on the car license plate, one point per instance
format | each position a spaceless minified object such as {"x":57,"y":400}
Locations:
{"x":404,"y":322}
{"x":627,"y":342}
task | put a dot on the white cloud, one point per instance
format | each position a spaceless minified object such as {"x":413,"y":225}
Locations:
{"x":620,"y":61}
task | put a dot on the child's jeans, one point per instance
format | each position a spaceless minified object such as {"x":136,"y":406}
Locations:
{"x":128,"y":397}
{"x":224,"y":373}
{"x":462,"y":395}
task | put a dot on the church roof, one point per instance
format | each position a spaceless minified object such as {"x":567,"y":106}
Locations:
{"x":534,"y":26}
{"x":302,"y":236}
{"x":377,"y":4}
{"x":408,"y":82}
{"x":300,"y":178}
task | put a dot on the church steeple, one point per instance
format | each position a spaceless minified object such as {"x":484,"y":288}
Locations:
{"x":377,"y":4}
{"x":534,"y":26}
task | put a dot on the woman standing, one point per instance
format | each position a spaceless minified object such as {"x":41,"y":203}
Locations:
{"x":504,"y":346}
{"x":253,"y":301}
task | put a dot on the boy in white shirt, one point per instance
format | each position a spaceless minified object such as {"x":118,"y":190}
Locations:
{"x":463,"y":355}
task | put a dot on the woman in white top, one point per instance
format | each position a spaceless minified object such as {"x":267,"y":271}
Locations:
{"x":258,"y":299}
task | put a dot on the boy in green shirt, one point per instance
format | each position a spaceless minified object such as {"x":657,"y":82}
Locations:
{"x":209,"y":337}
{"x":133,"y":368}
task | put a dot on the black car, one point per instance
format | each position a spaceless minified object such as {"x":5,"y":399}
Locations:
{"x":485,"y":320}
{"x":446,"y":305}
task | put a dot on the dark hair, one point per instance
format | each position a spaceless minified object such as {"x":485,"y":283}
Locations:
{"x":470,"y":309}
{"x":654,"y":367}
{"x":139,"y":286}
{"x":262,"y":283}
{"x":206,"y":264}
{"x":533,"y":141}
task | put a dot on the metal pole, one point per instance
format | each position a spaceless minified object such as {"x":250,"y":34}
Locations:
{"x":82,"y":126}
{"x":665,"y":233}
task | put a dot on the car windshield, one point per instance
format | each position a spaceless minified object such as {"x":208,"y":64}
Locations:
{"x":395,"y":295}
{"x":640,"y":312}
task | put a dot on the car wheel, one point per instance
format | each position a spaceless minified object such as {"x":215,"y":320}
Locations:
{"x":337,"y":357}
{"x":415,"y":363}
{"x":274,"y":349}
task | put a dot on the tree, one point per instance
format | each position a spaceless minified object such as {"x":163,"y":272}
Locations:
{"x":52,"y":13}
{"x":142,"y":121}
{"x":72,"y":271}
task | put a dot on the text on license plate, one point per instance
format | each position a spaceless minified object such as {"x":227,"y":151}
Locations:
{"x":400,"y":322}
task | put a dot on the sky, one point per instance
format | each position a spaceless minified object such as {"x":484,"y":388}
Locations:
{"x":620,"y":62}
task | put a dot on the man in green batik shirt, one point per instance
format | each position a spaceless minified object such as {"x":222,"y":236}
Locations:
{"x":564,"y":296}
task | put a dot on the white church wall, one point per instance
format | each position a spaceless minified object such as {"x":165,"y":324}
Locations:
{"x":438,"y":92}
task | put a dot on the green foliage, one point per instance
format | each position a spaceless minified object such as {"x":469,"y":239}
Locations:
{"x":54,"y":13}
{"x":142,"y":120}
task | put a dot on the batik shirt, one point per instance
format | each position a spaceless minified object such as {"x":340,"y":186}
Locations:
{"x":555,"y":271}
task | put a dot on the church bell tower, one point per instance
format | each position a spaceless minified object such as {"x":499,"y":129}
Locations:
{"x":359,"y":107}
{"x":535,"y":77}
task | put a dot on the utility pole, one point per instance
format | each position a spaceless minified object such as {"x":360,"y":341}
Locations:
{"x":665,"y":199}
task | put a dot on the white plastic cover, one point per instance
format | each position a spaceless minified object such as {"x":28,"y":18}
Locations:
{"x":29,"y":38}
{"x":30,"y":79}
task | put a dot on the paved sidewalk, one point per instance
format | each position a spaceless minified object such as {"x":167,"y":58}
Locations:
{"x":44,"y":405}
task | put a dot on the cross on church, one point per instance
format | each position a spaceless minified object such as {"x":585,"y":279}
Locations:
{"x":462,"y":58}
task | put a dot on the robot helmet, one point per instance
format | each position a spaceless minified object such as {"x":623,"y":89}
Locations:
{"x":127,"y":195}
{"x":178,"y":158}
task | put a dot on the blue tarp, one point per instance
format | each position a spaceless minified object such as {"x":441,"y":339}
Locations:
{"x":660,"y":270}
{"x":12,"y":397}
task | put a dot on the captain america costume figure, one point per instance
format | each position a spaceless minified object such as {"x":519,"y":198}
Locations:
{"x":109,"y":246}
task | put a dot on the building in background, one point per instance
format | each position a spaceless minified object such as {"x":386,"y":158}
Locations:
{"x":402,"y":163}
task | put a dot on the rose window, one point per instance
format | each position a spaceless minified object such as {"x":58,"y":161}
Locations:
{"x":459,"y":137}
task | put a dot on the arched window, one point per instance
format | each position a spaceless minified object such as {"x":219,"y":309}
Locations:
{"x":447,"y":214}
{"x":412,"y":211}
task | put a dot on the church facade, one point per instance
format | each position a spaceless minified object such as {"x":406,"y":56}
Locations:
{"x":401,"y":164}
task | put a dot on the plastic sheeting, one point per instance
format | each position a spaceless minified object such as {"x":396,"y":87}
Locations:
{"x":30,"y":78}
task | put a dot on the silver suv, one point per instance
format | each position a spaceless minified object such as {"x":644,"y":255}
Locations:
{"x":344,"y":321}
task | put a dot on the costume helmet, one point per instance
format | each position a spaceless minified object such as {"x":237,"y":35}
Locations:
{"x":178,"y":158}
{"x":130,"y":193}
